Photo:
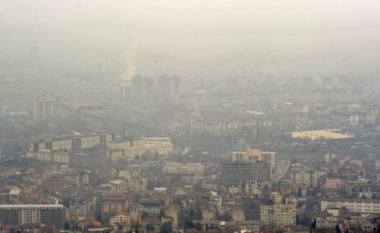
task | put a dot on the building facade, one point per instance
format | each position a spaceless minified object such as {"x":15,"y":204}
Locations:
{"x":47,"y":106}
{"x":174,"y":167}
{"x":245,"y":171}
{"x":24,"y":214}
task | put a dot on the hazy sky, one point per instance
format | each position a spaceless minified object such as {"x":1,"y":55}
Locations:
{"x":284,"y":35}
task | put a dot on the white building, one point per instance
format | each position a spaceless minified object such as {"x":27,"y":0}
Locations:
{"x":308,"y":176}
{"x":329,"y":157}
{"x":278,"y":214}
{"x":174,"y":167}
{"x":255,"y":155}
{"x":46,"y":106}
{"x":364,"y":206}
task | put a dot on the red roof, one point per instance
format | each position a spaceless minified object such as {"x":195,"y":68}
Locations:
{"x":212,"y":230}
{"x":125,"y":223}
{"x":96,"y":223}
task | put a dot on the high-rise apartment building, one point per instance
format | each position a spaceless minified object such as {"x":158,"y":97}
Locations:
{"x":142,"y":89}
{"x":278,"y":214}
{"x":24,"y":214}
{"x":305,"y":175}
{"x":255,"y":155}
{"x":244,"y":171}
{"x":169,"y":87}
{"x":46,"y":106}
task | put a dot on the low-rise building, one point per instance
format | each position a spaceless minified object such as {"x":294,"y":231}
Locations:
{"x":354,"y":205}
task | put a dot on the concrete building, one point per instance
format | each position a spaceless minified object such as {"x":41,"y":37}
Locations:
{"x":119,"y":218}
{"x":122,"y":144}
{"x":305,"y":175}
{"x":275,"y":197}
{"x":46,"y":106}
{"x":334,"y":184}
{"x":106,"y":173}
{"x":208,"y":214}
{"x":115,"y":154}
{"x":364,"y":206}
{"x":238,"y":215}
{"x":24,"y":214}
{"x":151,"y":206}
{"x":44,"y":155}
{"x":329,"y":157}
{"x":278,"y":214}
{"x":112,"y":204}
{"x":174,"y":167}
{"x":68,"y":144}
{"x":61,"y":157}
{"x":139,"y":184}
{"x":169,"y":88}
{"x":255,"y":155}
{"x":245,"y":171}
{"x":118,"y":186}
{"x":14,"y":194}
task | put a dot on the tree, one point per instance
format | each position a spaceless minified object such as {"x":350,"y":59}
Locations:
{"x":213,"y":226}
{"x":299,"y":192}
{"x":144,"y":157}
{"x":314,"y":225}
{"x":144,"y":215}
{"x":166,"y":228}
{"x":137,"y":157}
{"x":343,"y":212}
{"x":67,"y":225}
{"x":161,"y":214}
{"x":189,"y":224}
{"x":191,"y":214}
{"x":266,"y":187}
{"x":99,"y":218}
{"x":298,"y":220}
{"x":150,"y":227}
{"x":198,"y":226}
{"x":337,"y":229}
{"x":66,"y":202}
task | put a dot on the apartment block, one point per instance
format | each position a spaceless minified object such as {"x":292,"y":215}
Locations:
{"x":278,"y":214}
{"x":174,"y":167}
{"x":255,"y":155}
{"x":24,"y":214}
{"x":74,"y":143}
{"x":305,"y":175}
{"x":245,"y":171}
{"x":364,"y":206}
{"x":46,"y":106}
